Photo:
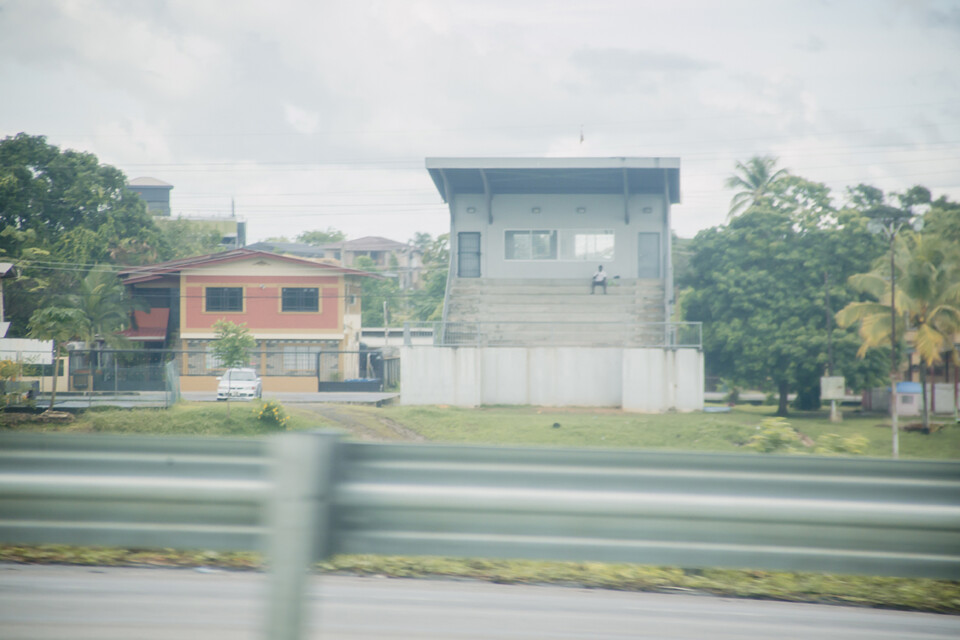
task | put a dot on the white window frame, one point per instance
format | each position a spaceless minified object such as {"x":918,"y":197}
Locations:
{"x":569,"y":236}
{"x":552,"y":233}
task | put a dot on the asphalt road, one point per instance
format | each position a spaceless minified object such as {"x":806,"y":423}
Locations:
{"x":83,"y":603}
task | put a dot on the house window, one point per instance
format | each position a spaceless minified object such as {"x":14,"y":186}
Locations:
{"x":588,"y":245}
{"x":533,"y":244}
{"x":300,"y":299}
{"x":300,"y":358}
{"x":224,"y":298}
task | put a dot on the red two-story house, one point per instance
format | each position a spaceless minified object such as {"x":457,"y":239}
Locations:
{"x":295,"y":308}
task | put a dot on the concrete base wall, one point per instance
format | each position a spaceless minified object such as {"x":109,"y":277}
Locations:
{"x":658,"y":380}
{"x":293,"y":384}
{"x":642,"y":380}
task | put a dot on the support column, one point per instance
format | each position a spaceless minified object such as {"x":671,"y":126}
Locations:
{"x":299,"y":526}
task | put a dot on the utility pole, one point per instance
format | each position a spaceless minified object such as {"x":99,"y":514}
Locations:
{"x":890,"y":220}
{"x":834,"y":414}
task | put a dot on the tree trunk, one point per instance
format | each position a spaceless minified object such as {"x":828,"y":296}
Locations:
{"x":783,"y":388}
{"x":53,"y":387}
{"x":925,"y":412}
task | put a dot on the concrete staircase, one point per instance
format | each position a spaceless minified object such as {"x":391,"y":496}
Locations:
{"x":534,"y":312}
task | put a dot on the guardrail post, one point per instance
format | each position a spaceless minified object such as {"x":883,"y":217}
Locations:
{"x":299,"y":526}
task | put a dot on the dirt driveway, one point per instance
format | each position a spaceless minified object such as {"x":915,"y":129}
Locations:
{"x":360,"y":422}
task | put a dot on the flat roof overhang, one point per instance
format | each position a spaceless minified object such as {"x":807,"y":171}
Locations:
{"x":491,"y":176}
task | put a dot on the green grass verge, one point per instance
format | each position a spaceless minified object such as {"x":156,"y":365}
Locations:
{"x":683,"y":431}
{"x":937,"y":596}
{"x":183,"y":419}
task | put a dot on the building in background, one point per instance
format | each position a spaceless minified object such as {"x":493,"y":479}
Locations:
{"x":156,"y":194}
{"x":295,"y":308}
{"x":521,"y":324}
{"x":390,"y":258}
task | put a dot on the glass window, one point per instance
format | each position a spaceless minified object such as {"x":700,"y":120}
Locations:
{"x":587,"y":245}
{"x":224,"y":298}
{"x":211,"y":362}
{"x":300,"y":357}
{"x":300,"y":299}
{"x":537,"y":244}
{"x":240,"y":375}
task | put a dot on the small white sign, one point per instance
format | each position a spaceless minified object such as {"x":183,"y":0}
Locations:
{"x":832,"y":388}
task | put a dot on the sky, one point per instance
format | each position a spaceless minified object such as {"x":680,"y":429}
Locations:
{"x":306,"y":115}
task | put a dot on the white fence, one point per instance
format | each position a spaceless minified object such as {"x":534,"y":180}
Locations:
{"x":940,"y":400}
{"x":643,"y":380}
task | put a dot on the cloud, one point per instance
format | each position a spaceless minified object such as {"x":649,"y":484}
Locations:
{"x":813,"y":44}
{"x":302,"y":120}
{"x":625,"y":70}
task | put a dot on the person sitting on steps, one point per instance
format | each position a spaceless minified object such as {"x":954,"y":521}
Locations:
{"x":599,"y":280}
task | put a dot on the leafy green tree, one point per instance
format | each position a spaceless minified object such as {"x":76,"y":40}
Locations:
{"x":765,"y":285}
{"x":754,"y":181}
{"x":374,"y":292}
{"x":61,"y":212}
{"x":232,"y":343}
{"x":943,"y":220}
{"x":181,"y":238}
{"x":427,"y":301}
{"x":927,"y":302}
{"x":107,"y":305}
{"x":59,"y":325}
{"x":320,"y":237}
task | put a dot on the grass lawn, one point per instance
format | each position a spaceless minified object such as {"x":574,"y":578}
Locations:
{"x":519,"y":426}
{"x":686,"y":431}
{"x":183,"y":419}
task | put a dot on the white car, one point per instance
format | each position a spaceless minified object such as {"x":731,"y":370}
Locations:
{"x":242,"y":384}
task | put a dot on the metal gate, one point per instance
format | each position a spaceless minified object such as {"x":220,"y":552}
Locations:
{"x":350,"y":371}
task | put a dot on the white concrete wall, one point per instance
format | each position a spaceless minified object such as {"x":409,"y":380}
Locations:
{"x":649,"y":380}
{"x":574,"y":377}
{"x":658,"y":380}
{"x":440,"y":376}
{"x":943,"y":403}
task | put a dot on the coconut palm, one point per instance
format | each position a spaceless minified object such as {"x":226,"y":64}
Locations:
{"x":103,"y":300}
{"x":755,"y":180}
{"x":60,"y":325}
{"x":108,"y":308}
{"x":927,"y":301}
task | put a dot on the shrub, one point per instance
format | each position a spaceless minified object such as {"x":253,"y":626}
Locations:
{"x":776,"y":435}
{"x":271,"y":413}
{"x":833,"y":444}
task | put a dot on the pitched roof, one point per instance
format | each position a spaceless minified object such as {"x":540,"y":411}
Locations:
{"x":372,"y":243}
{"x":148,"y":182}
{"x":155,"y":271}
{"x":293,"y":248}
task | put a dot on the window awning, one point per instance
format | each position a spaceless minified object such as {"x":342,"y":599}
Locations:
{"x":151,"y":326}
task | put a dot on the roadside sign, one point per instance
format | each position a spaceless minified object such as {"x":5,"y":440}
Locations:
{"x":832,"y":388}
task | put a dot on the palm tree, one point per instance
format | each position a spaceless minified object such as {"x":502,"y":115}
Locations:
{"x":755,"y":180}
{"x":104,"y":301}
{"x":927,"y":301}
{"x":60,"y":325}
{"x":102,"y":298}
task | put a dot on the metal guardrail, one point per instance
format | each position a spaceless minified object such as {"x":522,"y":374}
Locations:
{"x":132,"y":491}
{"x":684,"y":509}
{"x":302,"y":496}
